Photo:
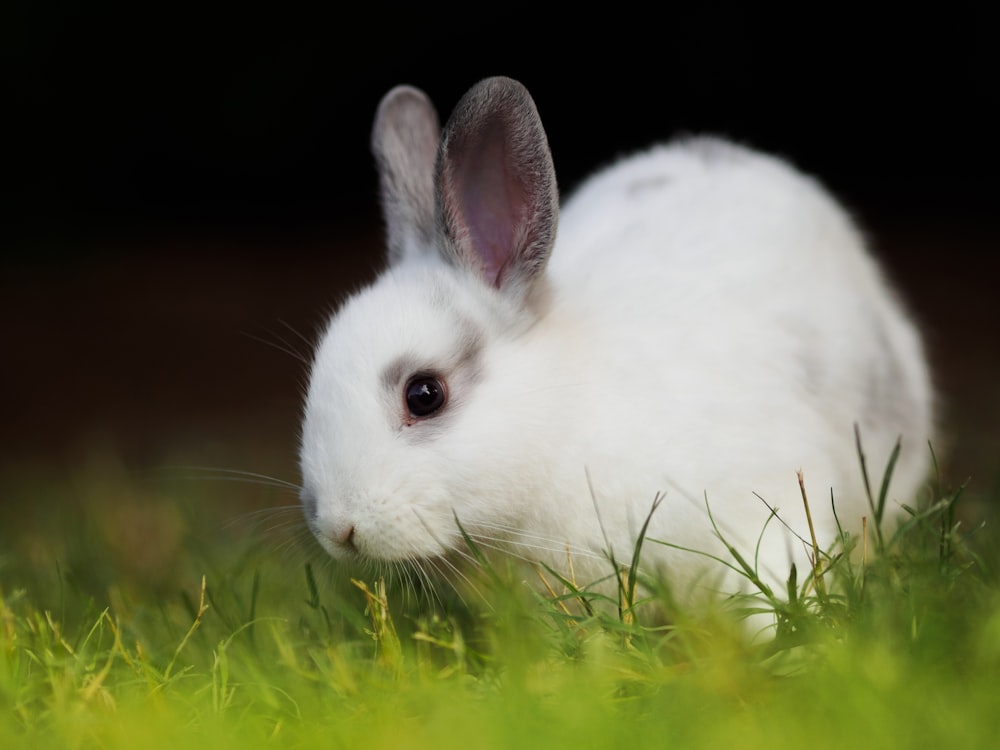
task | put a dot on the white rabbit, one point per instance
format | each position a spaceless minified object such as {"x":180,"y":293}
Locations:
{"x":707,"y":323}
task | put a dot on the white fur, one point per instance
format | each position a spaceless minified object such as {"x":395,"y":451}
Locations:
{"x":708,"y":324}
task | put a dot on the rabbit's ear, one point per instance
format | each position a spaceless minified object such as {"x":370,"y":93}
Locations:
{"x":497,"y":198}
{"x":405,"y":140}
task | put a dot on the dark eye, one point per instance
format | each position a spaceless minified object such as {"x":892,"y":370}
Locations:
{"x":424,"y":395}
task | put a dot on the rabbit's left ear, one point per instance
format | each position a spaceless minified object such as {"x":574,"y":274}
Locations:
{"x":405,"y":140}
{"x":496,"y":187}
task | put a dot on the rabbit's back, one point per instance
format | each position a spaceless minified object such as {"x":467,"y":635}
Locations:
{"x":731,"y":304}
{"x":707,"y":246}
{"x":703,"y":215}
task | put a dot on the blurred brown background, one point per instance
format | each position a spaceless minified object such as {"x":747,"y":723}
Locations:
{"x":185,"y":189}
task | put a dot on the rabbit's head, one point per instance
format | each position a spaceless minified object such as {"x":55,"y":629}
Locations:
{"x":416,"y":407}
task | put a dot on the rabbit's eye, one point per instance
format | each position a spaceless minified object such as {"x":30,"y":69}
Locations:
{"x":424,"y":395}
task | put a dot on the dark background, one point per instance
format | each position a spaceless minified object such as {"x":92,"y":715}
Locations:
{"x":181,"y":183}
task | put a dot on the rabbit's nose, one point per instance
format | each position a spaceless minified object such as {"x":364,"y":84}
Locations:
{"x":340,"y":534}
{"x":336,"y":534}
{"x":346,"y":539}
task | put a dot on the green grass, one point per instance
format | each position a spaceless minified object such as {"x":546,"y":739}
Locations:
{"x":131,"y":615}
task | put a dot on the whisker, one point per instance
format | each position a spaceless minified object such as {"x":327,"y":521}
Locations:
{"x":412,"y":576}
{"x":441,"y":565}
{"x":414,"y":582}
{"x":289,"y":529}
{"x":310,"y":344}
{"x":223,"y":474}
{"x":505,"y":549}
{"x":280,"y":343}
{"x":301,"y":548}
{"x":549,"y":544}
{"x":427,"y":580}
{"x":560,"y":544}
{"x":291,"y":510}
{"x":460,"y":576}
{"x":274,"y":518}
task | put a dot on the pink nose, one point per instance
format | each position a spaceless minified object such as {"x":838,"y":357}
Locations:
{"x":346,"y":539}
{"x":338,"y":536}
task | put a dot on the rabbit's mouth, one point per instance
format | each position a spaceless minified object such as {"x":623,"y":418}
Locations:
{"x":342,"y":548}
{"x":377,"y":540}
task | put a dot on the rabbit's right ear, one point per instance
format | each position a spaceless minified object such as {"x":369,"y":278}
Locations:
{"x":497,"y":198}
{"x":405,"y":140}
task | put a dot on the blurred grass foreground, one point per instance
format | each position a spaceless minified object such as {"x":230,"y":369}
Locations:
{"x":132,"y":614}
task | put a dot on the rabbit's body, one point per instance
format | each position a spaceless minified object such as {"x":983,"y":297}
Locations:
{"x":709,"y":322}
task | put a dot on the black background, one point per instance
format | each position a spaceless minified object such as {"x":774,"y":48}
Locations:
{"x":183,"y":181}
{"x":256,"y":120}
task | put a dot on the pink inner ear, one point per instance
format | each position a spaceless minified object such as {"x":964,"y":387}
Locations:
{"x":493,"y":206}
